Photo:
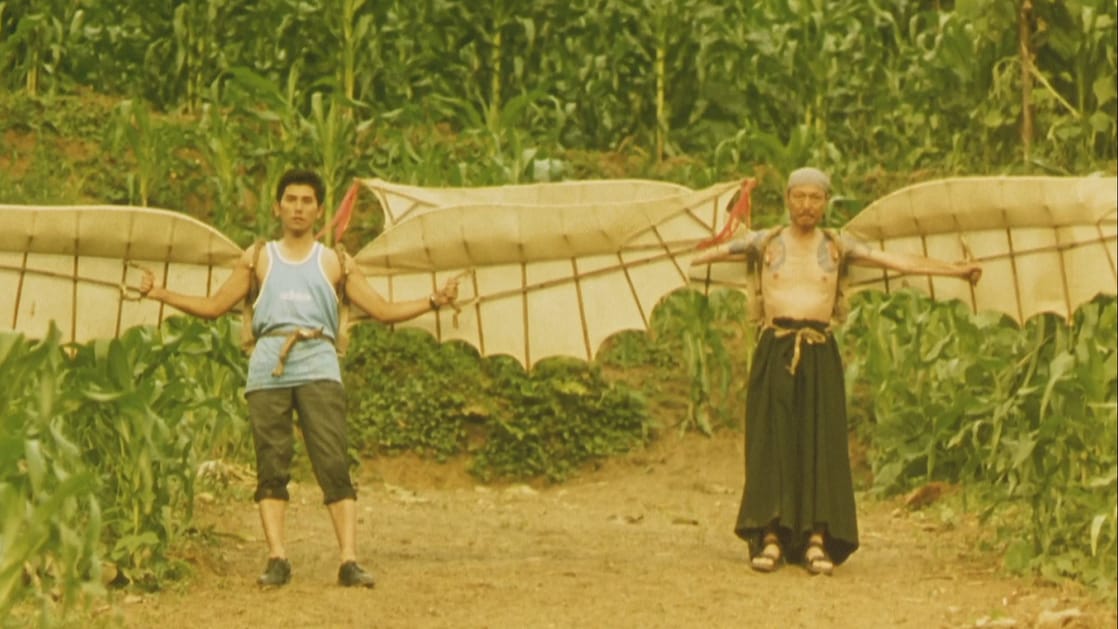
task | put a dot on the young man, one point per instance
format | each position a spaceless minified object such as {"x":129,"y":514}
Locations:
{"x":798,"y":500}
{"x":294,"y":367}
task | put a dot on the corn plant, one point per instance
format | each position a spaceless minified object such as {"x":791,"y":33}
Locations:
{"x":903,"y":83}
{"x":219,"y":139}
{"x":1076,"y":102}
{"x":50,"y":522}
{"x":354,"y":29}
{"x":98,"y":448}
{"x":333,"y":132}
{"x":133,"y":133}
{"x":144,"y":409}
{"x":34,"y":42}
{"x":713,"y":340}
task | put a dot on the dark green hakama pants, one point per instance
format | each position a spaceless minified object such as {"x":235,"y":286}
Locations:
{"x":797,"y":464}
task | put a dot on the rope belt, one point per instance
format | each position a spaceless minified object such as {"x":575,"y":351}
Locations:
{"x":290,"y":339}
{"x":811,"y":335}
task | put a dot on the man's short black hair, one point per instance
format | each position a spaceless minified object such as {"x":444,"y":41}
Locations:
{"x":303,"y":177}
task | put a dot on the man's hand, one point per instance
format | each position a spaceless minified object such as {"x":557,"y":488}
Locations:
{"x":147,"y":283}
{"x":970,"y":271}
{"x":448,"y":294}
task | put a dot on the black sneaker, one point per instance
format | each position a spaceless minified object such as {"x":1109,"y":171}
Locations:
{"x":277,"y":573}
{"x":352,"y":575}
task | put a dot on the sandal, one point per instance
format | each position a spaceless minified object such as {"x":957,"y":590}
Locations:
{"x":816,"y":559}
{"x":769,"y":558}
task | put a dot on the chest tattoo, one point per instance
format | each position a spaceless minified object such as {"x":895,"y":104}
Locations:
{"x":774,"y":255}
{"x":826,"y":256}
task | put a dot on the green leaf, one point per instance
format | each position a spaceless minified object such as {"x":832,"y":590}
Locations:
{"x":1104,"y":90}
{"x":103,"y":396}
{"x":1058,"y":370}
{"x":118,"y":368}
{"x":1022,"y":450}
{"x":1096,"y":530}
{"x":1019,"y":555}
{"x":36,"y":464}
{"x":1104,"y":481}
{"x":1101,"y":122}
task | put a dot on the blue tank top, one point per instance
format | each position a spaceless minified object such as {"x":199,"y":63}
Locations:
{"x":294,"y":295}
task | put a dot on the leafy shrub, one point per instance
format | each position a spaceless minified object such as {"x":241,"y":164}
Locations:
{"x":408,"y":393}
{"x":558,"y":416}
{"x":974,"y":400}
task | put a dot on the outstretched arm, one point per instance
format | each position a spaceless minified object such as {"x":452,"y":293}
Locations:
{"x":860,"y":253}
{"x":208,"y":307}
{"x":733,"y":250}
{"x":365,"y":297}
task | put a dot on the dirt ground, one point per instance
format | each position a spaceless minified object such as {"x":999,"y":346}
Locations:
{"x":644,"y":541}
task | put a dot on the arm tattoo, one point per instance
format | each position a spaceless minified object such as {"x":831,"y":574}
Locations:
{"x":740,"y":245}
{"x":854,"y":247}
{"x":747,"y":244}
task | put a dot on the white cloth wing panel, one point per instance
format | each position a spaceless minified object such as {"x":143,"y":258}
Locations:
{"x":550,"y":269}
{"x":68,"y":264}
{"x":1046,"y":244}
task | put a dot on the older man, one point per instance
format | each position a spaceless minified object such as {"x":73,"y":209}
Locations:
{"x":798,"y":501}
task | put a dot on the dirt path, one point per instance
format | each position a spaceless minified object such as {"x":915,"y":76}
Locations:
{"x":642,"y":542}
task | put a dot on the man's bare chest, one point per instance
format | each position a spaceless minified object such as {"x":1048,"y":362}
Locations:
{"x":793,"y":262}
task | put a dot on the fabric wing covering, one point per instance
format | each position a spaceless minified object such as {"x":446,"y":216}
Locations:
{"x":73,"y":266}
{"x":553,"y":269}
{"x":546,"y":269}
{"x":1046,"y":244}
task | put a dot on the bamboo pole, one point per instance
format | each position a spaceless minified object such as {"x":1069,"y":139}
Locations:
{"x":661,"y":88}
{"x":1024,"y":15}
{"x":495,"y":81}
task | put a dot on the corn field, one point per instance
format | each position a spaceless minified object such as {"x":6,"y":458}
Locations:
{"x":358,"y":86}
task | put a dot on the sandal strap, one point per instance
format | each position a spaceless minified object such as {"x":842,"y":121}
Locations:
{"x":822,"y":555}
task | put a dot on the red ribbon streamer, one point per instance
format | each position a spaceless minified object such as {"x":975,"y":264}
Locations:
{"x":739,"y":214}
{"x":343,"y":214}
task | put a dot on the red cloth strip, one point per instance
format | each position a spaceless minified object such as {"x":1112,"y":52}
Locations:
{"x":343,"y":214}
{"x":739,"y":214}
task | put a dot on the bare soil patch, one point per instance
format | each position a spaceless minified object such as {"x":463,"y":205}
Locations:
{"x":644,"y":541}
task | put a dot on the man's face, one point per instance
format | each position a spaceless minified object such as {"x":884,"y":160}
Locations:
{"x":298,"y":208}
{"x":806,"y":204}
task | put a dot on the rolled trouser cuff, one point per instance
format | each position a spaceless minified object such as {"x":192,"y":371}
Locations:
{"x":342,"y":493}
{"x":272,"y":490}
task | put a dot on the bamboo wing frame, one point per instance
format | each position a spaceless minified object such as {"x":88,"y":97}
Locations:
{"x":548,"y":269}
{"x":555,"y":269}
{"x":402,"y":202}
{"x":74,"y":266}
{"x":1046,"y":244}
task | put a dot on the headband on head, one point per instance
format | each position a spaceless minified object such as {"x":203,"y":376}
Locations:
{"x":809,"y":176}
